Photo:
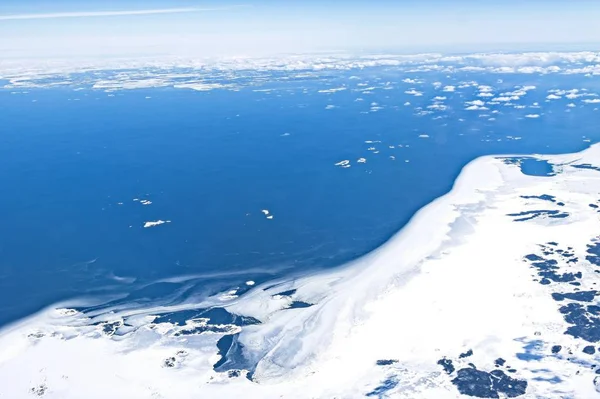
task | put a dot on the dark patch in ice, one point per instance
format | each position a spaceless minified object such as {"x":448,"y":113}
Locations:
{"x":532,"y":350}
{"x":386,"y":362}
{"x":597,"y":384}
{"x":222,"y":316}
{"x":169,"y":362}
{"x":223,"y":345}
{"x":111,"y":328}
{"x":299,"y":305}
{"x":234,"y":373}
{"x":466,"y":354}
{"x":544,"y":197}
{"x":510,"y":161}
{"x":529,"y":215}
{"x":593,"y":250}
{"x":179,"y":317}
{"x":481,"y":384}
{"x":36,"y":335}
{"x":533,"y":257}
{"x":552,"y":380}
{"x":584,"y":324}
{"x":590,"y":350}
{"x":499,"y":362}
{"x":232,"y":355}
{"x":387,"y":385}
{"x":446,"y":365}
{"x":594,"y":309}
{"x":39,"y":390}
{"x":547,"y":270}
{"x":580,"y":296}
{"x":509,"y":386}
{"x":593,"y":206}
{"x":286,"y":293}
{"x":215,"y":315}
{"x":586,"y":166}
{"x":583,"y":317}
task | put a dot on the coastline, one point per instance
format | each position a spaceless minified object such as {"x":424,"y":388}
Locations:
{"x":305,"y":349}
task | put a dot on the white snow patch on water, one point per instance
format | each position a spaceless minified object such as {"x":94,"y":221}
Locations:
{"x":155,"y":223}
{"x":344,"y":164}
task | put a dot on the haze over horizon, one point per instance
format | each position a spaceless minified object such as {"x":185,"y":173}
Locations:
{"x":255,"y":28}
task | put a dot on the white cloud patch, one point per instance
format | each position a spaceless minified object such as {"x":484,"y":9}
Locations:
{"x":91,"y":14}
{"x":476,"y":108}
{"x":334,"y":90}
{"x":439,"y":107}
{"x":478,"y":103}
{"x":190,"y":71}
{"x":414,"y":92}
{"x":412,"y":81}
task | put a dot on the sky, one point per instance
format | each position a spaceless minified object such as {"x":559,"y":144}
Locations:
{"x":105,"y":28}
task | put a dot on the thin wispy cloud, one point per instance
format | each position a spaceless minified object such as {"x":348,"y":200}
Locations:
{"x":92,"y":14}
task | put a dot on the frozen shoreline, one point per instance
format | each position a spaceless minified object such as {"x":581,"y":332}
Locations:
{"x":452,"y":280}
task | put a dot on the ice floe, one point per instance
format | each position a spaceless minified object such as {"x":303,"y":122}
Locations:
{"x":155,"y":223}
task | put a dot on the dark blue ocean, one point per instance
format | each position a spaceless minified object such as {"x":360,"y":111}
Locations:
{"x":72,"y":163}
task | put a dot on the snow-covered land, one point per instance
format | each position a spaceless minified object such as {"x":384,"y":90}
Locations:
{"x":489,"y":291}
